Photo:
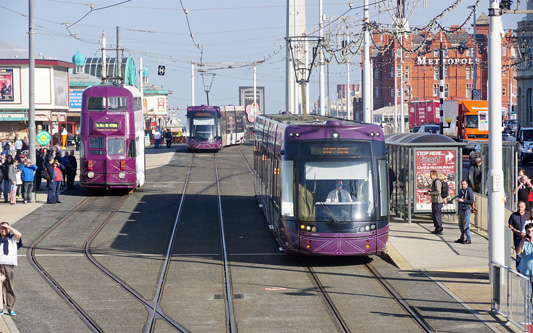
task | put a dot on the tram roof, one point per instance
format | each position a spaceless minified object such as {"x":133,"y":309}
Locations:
{"x":298,"y":119}
{"x":422,"y":140}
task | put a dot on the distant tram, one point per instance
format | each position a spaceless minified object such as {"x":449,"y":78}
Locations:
{"x":322,"y":184}
{"x":214,"y":127}
{"x":112,"y":137}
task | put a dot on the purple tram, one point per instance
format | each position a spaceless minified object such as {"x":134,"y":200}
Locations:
{"x":214,"y":127}
{"x":112,"y":137}
{"x":204,"y":128}
{"x":322,"y":184}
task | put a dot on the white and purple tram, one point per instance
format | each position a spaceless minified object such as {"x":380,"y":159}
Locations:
{"x":322,"y":184}
{"x":214,"y":127}
{"x":112,"y":137}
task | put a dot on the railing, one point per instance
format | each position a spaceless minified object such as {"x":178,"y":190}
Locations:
{"x":480,"y":219}
{"x":511,"y":295}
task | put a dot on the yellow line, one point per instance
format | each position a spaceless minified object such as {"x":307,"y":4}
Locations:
{"x":397,"y":258}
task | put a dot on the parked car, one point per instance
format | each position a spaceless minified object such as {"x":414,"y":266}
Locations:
{"x":415,"y":129}
{"x":510,"y":126}
{"x":429,"y":129}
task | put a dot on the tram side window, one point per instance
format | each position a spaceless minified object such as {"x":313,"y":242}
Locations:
{"x":287,"y":199}
{"x":96,"y":143}
{"x":117,"y":104}
{"x":383,"y":194}
{"x":96,"y":103}
{"x":115,"y":146}
{"x":131,"y":149}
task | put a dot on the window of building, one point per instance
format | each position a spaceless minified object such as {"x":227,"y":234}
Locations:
{"x":468,"y":52}
{"x":468,"y":90}
{"x":398,"y":71}
{"x":376,"y":92}
{"x":398,"y":93}
{"x":436,"y":53}
{"x":469,"y":73}
{"x":504,"y":91}
{"x":407,"y":72}
{"x":392,"y":71}
{"x":392,"y":93}
{"x":446,"y":95}
{"x":445,"y":71}
{"x":504,"y":72}
{"x":504,"y":51}
{"x":376,"y":74}
{"x":435,"y":90}
{"x":435,"y":73}
{"x":445,"y":53}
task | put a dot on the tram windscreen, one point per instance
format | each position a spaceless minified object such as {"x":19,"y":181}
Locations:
{"x":117,"y":103}
{"x":115,"y":146}
{"x":96,"y":103}
{"x":203,"y":129}
{"x":337,"y":191}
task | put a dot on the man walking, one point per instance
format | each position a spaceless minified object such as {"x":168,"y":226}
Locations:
{"x":436,"y":202}
{"x":465,"y":198}
{"x":10,"y":242}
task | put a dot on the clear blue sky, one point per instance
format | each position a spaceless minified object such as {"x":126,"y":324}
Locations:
{"x":229,"y":31}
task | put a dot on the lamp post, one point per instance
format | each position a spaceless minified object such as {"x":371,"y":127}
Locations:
{"x":473,"y":7}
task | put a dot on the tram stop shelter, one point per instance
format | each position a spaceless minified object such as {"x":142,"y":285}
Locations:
{"x":411,"y":157}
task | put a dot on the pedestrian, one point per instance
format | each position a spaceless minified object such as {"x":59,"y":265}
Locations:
{"x":517,"y":222}
{"x":28,"y":175}
{"x":64,"y":162}
{"x":58,"y":170}
{"x":19,"y":177}
{"x":157,"y":137}
{"x":18,"y":145}
{"x":523,"y":191}
{"x":51,"y":182}
{"x":525,"y":251}
{"x":72,"y":167}
{"x":465,"y":198}
{"x":475,"y":173}
{"x":436,"y":202}
{"x":2,"y":161}
{"x":12,"y":176}
{"x":6,"y":183}
{"x":10,"y":242}
{"x":168,"y":138}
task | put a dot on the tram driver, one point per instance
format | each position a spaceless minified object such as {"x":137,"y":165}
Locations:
{"x":339,"y":194}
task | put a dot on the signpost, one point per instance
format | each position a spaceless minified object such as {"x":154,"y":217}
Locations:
{"x":43,"y":138}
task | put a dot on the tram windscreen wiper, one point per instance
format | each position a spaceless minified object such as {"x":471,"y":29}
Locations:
{"x":329,"y":212}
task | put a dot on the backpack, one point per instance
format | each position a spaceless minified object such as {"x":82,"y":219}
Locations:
{"x":45,"y":174}
{"x":444,"y":189}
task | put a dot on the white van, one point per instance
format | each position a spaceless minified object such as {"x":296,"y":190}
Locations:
{"x":524,"y":137}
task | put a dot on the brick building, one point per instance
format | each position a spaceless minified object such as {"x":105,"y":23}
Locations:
{"x":421,"y":68}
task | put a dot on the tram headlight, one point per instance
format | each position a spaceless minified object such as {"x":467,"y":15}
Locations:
{"x":367,"y":228}
{"x":90,"y":174}
{"x":372,"y":227}
{"x":121,"y":175}
{"x":335,"y":135}
{"x":308,"y":228}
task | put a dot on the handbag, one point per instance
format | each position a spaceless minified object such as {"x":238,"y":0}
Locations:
{"x":473,"y":208}
{"x":45,"y":174}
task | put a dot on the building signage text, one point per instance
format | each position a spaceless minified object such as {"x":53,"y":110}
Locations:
{"x":450,"y":61}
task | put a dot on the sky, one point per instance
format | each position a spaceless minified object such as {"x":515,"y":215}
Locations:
{"x":230,"y":31}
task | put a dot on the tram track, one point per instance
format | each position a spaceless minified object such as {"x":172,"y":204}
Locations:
{"x":152,"y":306}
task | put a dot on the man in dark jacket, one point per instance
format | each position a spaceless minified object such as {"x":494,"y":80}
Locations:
{"x":72,"y":167}
{"x":465,"y":198}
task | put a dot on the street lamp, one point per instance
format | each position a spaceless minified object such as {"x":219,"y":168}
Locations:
{"x":473,"y":7}
{"x":207,"y":86}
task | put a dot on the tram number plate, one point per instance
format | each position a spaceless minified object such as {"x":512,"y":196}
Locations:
{"x":106,"y":126}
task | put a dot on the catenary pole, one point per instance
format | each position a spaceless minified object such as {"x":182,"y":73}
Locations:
{"x":495,"y":175}
{"x":322,"y":99}
{"x":367,"y":93}
{"x":31,"y":89}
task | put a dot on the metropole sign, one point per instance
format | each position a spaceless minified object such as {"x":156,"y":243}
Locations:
{"x":420,"y":61}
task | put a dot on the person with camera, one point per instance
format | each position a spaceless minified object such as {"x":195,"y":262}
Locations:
{"x":525,"y":251}
{"x":28,"y":176}
{"x":465,"y":198}
{"x":436,"y":202}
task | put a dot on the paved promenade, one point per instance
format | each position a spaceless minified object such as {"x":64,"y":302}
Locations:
{"x":460,"y":269}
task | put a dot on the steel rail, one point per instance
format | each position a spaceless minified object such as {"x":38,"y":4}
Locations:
{"x":328,"y":302}
{"x":51,"y":281}
{"x":230,"y":314}
{"x":390,"y":289}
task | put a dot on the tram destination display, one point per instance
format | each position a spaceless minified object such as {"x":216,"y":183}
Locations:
{"x":336,"y":149}
{"x":106,"y":126}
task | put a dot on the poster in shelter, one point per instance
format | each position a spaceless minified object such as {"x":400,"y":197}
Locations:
{"x":442,"y":161}
{"x":6,"y":88}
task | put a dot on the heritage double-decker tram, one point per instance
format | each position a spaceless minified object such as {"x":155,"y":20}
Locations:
{"x":112,"y":137}
{"x":322,"y":184}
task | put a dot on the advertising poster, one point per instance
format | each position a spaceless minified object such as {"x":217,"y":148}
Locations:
{"x":75,"y":98}
{"x":6,"y":88}
{"x":483,"y":121}
{"x":443,"y":161}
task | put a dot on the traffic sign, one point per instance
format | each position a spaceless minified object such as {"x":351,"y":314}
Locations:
{"x":160,"y":70}
{"x":43,"y":138}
